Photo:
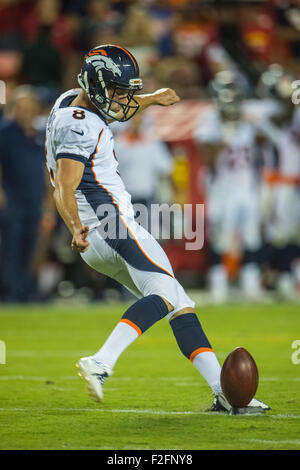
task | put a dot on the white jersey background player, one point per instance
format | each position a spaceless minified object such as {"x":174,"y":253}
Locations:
{"x":83,"y":167}
{"x":282,"y":230}
{"x":229,"y":146}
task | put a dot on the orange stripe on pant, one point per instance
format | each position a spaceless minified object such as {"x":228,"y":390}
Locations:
{"x":133,"y":325}
{"x":198,"y":351}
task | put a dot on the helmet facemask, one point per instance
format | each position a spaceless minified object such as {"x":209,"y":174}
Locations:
{"x":128,"y":106}
{"x":98,"y":93}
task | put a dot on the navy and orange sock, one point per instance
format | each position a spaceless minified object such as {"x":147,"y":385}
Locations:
{"x":189,"y":335}
{"x":145,"y":312}
{"x":194,"y":344}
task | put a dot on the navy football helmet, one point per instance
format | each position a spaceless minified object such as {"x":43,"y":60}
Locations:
{"x":227,"y":94}
{"x":111,"y":67}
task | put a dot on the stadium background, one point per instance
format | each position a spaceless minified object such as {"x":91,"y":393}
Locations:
{"x":178,"y":43}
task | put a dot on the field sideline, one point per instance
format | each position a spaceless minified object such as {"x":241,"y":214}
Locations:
{"x":155,"y":399}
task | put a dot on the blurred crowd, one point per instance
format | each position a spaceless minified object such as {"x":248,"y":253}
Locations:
{"x":242,"y":57}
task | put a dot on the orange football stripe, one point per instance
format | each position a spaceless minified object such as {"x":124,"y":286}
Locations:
{"x":96,"y":150}
{"x":131,"y":56}
{"x":198,"y":351}
{"x":96,"y":52}
{"x":128,"y":322}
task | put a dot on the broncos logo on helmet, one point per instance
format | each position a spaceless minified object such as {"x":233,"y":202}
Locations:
{"x":100,"y":62}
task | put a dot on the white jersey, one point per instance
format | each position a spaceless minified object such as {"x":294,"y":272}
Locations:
{"x":289,"y":156}
{"x":286,"y":140}
{"x":235,"y":165}
{"x":137,"y":261}
{"x":289,"y":149}
{"x":80,"y":134}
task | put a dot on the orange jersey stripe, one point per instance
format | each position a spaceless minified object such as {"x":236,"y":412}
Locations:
{"x":275,"y":177}
{"x":289,"y":180}
{"x":96,"y":150}
{"x":51,"y":175}
{"x":270,"y":176}
{"x":128,"y":322}
{"x":198,"y":351}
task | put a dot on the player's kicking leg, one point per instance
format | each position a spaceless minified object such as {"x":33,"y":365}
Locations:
{"x":163,"y":297}
{"x":189,"y":335}
{"x":135,"y":321}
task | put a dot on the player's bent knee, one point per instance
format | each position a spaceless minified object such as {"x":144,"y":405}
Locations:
{"x":145,"y":312}
{"x":170,"y":306}
{"x":181,"y":302}
{"x":171,"y":293}
{"x":182,"y":312}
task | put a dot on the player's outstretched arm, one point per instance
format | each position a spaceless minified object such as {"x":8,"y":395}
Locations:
{"x":161,"y":97}
{"x":68,"y":177}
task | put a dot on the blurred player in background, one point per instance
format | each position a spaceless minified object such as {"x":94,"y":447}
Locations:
{"x":282,"y":220}
{"x":229,"y":147}
{"x":83,"y":168}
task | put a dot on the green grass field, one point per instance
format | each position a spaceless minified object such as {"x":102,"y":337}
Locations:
{"x":155,"y":399}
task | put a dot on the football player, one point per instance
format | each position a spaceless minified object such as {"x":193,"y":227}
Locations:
{"x":228,"y":142}
{"x":283,"y":224}
{"x":91,"y":198}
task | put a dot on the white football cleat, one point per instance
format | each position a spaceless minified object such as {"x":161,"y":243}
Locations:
{"x":220,"y":403}
{"x":255,"y":406}
{"x":258,"y":404}
{"x":95,"y":374}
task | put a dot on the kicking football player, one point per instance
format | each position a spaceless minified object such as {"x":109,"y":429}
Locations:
{"x":83,"y":168}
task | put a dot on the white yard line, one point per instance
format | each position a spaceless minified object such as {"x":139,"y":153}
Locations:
{"x":98,"y":410}
{"x":136,"y":411}
{"x":38,"y":378}
{"x":121,"y":379}
{"x":285,"y":416}
{"x":184,"y":380}
{"x":44,"y":353}
{"x":262,"y":441}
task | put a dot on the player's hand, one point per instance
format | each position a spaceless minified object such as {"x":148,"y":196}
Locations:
{"x":165,"y":97}
{"x":79,"y":241}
